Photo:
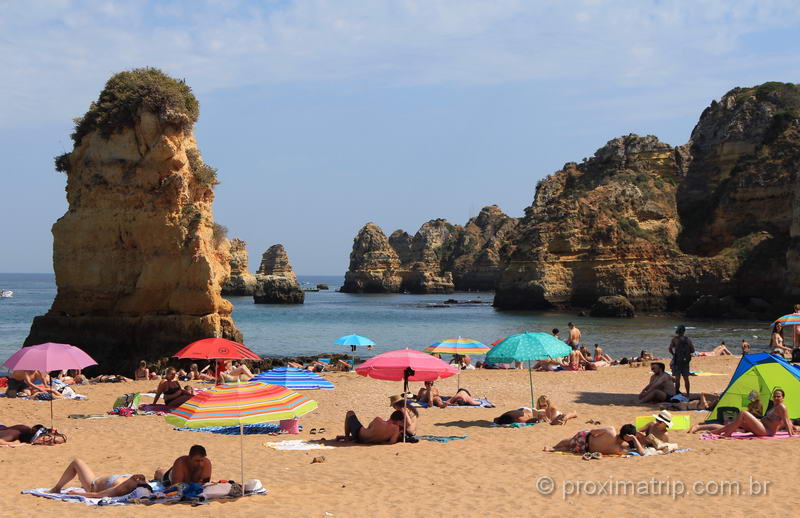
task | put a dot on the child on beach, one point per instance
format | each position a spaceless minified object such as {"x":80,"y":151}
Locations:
{"x":551,"y":413}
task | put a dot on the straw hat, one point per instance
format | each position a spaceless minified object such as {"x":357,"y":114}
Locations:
{"x":664,"y":416}
{"x":396,"y":399}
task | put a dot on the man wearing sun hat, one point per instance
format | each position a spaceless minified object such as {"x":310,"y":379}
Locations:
{"x":655,"y":432}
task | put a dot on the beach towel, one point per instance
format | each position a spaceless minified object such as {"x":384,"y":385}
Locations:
{"x":512,"y":425}
{"x":129,"y":499}
{"x":649,"y":452}
{"x":297,"y":445}
{"x":158,"y":409}
{"x":746,"y":436}
{"x":41,"y":396}
{"x":485,"y":403}
{"x":249,"y":429}
{"x":441,"y":438}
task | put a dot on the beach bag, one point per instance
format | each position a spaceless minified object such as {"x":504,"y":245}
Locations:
{"x":727,"y":414}
{"x":796,"y":355}
{"x":290,"y":426}
{"x":128,"y":401}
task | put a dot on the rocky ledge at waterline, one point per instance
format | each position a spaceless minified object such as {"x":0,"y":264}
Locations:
{"x":276,"y":283}
{"x":439,"y":258}
{"x":137,"y":257}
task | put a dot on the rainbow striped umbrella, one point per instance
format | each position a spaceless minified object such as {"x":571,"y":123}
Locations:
{"x":240,"y":404}
{"x":457,"y":346}
{"x":292,"y":378}
{"x":789,"y":320}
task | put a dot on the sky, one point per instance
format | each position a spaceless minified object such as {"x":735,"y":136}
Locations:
{"x":324,"y":115}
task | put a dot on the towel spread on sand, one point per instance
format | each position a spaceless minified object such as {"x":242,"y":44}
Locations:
{"x":297,"y":445}
{"x":741,"y":436}
{"x":441,"y":438}
{"x":128,"y":499}
{"x":512,"y":425}
{"x":41,"y":396}
{"x":249,"y":429}
{"x":485,"y":403}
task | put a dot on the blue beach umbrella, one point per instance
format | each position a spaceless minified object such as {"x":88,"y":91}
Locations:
{"x":528,"y":347}
{"x":295,"y":379}
{"x":354,"y":341}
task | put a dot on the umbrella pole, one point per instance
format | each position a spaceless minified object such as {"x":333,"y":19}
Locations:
{"x":405,"y":415}
{"x":241,"y":450}
{"x":530,"y":378}
{"x":51,"y":403}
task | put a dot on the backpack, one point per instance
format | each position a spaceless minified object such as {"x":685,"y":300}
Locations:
{"x":128,"y":401}
{"x":796,"y":355}
{"x":682,"y":351}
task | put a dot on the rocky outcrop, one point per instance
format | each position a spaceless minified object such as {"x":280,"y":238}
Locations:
{"x":664,"y":226}
{"x":241,"y":282}
{"x":439,"y":258}
{"x":276,"y":283}
{"x":138,"y":266}
{"x":615,"y":306}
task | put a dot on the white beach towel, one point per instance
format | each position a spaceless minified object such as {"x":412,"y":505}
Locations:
{"x":297,"y":445}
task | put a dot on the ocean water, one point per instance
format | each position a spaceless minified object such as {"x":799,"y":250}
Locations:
{"x":397,"y":321}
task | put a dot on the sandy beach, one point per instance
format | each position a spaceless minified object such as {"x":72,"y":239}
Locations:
{"x":494,"y":472}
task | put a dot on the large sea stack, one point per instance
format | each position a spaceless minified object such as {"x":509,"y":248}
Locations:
{"x":138,"y":265}
{"x":240,"y":282}
{"x":711,"y":226}
{"x":276,"y":282}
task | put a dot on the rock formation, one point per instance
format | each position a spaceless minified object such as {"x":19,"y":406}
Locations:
{"x":241,"y":282}
{"x":439,"y":258}
{"x":276,"y":283}
{"x":138,"y":266}
{"x":664,"y":226}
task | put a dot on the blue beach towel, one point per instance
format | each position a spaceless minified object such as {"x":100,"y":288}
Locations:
{"x":441,"y":438}
{"x":249,"y":429}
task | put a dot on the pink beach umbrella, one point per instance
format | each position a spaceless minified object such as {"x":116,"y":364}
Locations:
{"x":49,"y":357}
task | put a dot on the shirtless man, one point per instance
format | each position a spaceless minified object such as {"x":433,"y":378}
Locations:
{"x":194,"y":467}
{"x":574,"y":335}
{"x":661,"y":386}
{"x":746,"y":346}
{"x":430,"y":395}
{"x":21,"y":383}
{"x":522,"y":415}
{"x":655,"y":432}
{"x":379,"y":430}
{"x":602,"y":440}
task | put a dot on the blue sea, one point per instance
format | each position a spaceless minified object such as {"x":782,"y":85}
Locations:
{"x":397,"y":321}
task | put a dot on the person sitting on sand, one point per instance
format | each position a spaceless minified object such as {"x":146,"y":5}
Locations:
{"x":522,"y":415}
{"x":661,"y":387}
{"x":576,"y":361}
{"x":775,"y":419}
{"x":98,"y":487}
{"x":234,"y":373}
{"x":23,"y":383}
{"x":379,"y":431}
{"x":600,"y":356}
{"x":719,"y":350}
{"x":602,"y":440}
{"x":411,"y":413}
{"x":551,"y":413}
{"x":655,"y":432}
{"x":174,"y":395}
{"x":37,"y":435}
{"x":430,"y":395}
{"x":703,"y":401}
{"x":776,"y":344}
{"x":192,"y":468}
{"x":195,"y":374}
{"x":550,"y":365}
{"x":143,"y":373}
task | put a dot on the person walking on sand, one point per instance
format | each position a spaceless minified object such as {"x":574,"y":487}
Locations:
{"x":681,"y":349}
{"x":574,"y":335}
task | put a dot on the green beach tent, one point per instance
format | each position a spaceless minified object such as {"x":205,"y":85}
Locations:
{"x":763,"y":373}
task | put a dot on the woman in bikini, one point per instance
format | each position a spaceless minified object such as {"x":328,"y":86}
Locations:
{"x":462,"y":397}
{"x":551,"y":413}
{"x":98,"y":487}
{"x":174,"y":395}
{"x":37,"y":435}
{"x":522,"y":415}
{"x":196,"y":374}
{"x":767,"y":426}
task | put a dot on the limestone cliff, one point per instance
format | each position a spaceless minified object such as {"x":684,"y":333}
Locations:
{"x":276,"y":282}
{"x":241,"y":282}
{"x":374,"y":264}
{"x":664,"y":226}
{"x":138,"y":267}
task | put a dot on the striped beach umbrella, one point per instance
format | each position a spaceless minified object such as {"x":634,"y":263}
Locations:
{"x":789,"y":320}
{"x":240,"y":404}
{"x":292,"y":378}
{"x":465,"y":346}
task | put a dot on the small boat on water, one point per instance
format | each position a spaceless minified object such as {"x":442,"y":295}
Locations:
{"x":6,"y":294}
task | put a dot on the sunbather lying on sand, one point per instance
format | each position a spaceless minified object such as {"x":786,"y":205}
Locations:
{"x":522,"y":415}
{"x":234,"y":373}
{"x":773,"y":421}
{"x":462,"y":397}
{"x":602,"y":440}
{"x":550,"y":365}
{"x":701,"y":402}
{"x":37,"y":435}
{"x":379,"y":431}
{"x":551,"y":413}
{"x":98,"y":487}
{"x":109,"y":378}
{"x":719,"y":350}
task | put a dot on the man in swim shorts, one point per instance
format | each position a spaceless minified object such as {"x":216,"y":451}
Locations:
{"x":379,"y":431}
{"x":602,"y":440}
{"x":195,"y":467}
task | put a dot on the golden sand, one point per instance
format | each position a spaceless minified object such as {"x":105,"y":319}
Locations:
{"x":494,"y":472}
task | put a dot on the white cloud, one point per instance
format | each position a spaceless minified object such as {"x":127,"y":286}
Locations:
{"x":56,"y":55}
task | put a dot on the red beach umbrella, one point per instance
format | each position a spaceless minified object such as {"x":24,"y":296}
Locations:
{"x":216,"y":349}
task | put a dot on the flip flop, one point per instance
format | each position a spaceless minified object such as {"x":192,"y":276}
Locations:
{"x":597,"y":455}
{"x":321,"y":430}
{"x":587,"y":456}
{"x":313,"y":431}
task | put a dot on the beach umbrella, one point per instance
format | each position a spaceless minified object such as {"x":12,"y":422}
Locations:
{"x":354,"y":341}
{"x":238,"y":404}
{"x":292,"y":378}
{"x":463,"y":346}
{"x":216,"y":349}
{"x":407,"y":365}
{"x":528,"y":347}
{"x":788,"y":320}
{"x":49,"y":357}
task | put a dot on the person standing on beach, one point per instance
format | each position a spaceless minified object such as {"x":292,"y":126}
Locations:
{"x":681,"y":349}
{"x":574,"y":335}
